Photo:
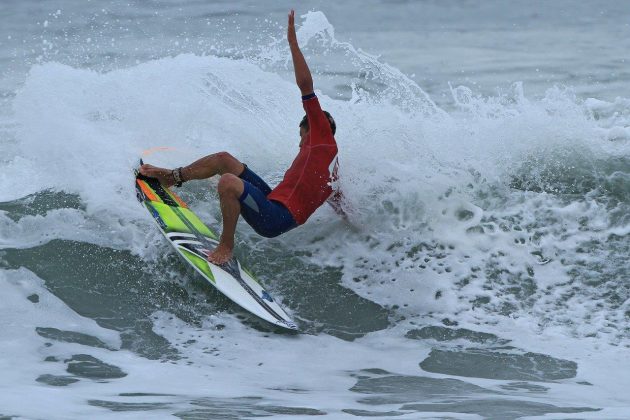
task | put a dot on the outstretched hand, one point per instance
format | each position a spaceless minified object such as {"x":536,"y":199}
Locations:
{"x":302,"y":73}
{"x":291,"y":37}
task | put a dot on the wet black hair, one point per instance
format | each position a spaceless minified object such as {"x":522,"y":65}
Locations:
{"x":331,"y":120}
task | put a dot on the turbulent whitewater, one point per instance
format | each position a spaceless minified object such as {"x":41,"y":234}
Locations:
{"x":483,"y":271}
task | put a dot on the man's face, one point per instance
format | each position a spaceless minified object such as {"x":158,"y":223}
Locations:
{"x":303,"y":134}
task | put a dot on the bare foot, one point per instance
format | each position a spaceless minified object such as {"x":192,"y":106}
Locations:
{"x":165,"y":176}
{"x":221,"y":254}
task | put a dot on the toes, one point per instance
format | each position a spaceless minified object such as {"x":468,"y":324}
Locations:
{"x":218,"y":260}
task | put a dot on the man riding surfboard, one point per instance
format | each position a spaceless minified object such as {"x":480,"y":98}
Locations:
{"x":306,"y":185}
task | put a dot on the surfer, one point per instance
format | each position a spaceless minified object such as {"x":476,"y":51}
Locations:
{"x":306,"y":185}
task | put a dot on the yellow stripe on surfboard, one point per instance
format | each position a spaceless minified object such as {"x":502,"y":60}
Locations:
{"x":174,"y":222}
{"x":199,"y":262}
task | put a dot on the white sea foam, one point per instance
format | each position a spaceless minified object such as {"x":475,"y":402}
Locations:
{"x":483,"y":214}
{"x":305,"y":371}
{"x":410,"y":179}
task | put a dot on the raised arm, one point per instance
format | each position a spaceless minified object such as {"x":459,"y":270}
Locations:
{"x":302,"y":73}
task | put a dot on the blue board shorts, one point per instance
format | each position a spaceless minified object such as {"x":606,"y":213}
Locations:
{"x":269,"y":218}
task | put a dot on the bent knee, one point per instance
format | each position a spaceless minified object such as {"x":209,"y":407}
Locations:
{"x":230,"y":184}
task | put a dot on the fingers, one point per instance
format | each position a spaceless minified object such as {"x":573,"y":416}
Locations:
{"x":145,"y":168}
{"x":292,"y":20}
{"x":150,"y":170}
{"x":291,"y":37}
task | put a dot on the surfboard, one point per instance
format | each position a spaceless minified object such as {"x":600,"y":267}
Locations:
{"x":193,"y":240}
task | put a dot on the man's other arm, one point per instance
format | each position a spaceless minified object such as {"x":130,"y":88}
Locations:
{"x":303,"y":76}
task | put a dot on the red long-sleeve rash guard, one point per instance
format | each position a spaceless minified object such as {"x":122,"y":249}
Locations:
{"x":307,"y":183}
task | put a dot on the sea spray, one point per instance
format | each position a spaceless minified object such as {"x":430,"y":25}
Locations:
{"x":487,"y":235}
